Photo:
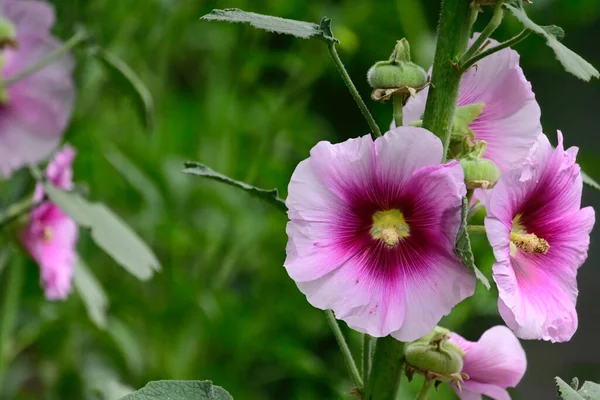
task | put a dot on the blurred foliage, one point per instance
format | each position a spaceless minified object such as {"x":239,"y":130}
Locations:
{"x":250,"y":105}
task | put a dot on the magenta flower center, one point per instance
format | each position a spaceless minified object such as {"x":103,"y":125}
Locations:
{"x":390,"y":227}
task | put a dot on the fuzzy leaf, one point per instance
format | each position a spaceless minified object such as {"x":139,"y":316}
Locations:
{"x":571,"y":61}
{"x":301,"y":29}
{"x":132,"y":85}
{"x":565,"y":391}
{"x":590,"y":391}
{"x":108,"y":231}
{"x":180,"y":390}
{"x":91,"y":293}
{"x":463,"y":246}
{"x":588,"y":180}
{"x":270,"y":196}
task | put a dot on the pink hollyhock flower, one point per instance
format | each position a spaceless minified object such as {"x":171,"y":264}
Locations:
{"x":510,"y":120}
{"x":372,"y":232}
{"x":51,"y":236}
{"x":496,"y":362}
{"x":36,"y":108}
{"x":540,"y":238}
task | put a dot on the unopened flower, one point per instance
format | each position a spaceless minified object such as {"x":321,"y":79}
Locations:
{"x":496,"y":362}
{"x":35,"y":110}
{"x":497,"y":105}
{"x":540,"y":237}
{"x":372,"y":232}
{"x":51,"y":236}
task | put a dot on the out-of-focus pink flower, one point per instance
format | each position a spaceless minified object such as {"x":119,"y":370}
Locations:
{"x":495,"y":362}
{"x":38,"y":107}
{"x":51,"y":236}
{"x":540,"y":237}
{"x":510,"y":120}
{"x":372,"y":232}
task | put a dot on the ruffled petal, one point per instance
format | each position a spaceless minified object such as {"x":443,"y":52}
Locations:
{"x":401,"y":152}
{"x":29,"y":15}
{"x":347,"y":169}
{"x":474,"y":390}
{"x":39,"y":106}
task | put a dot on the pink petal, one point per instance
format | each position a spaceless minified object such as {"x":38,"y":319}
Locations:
{"x":538,"y":292}
{"x":39,"y":106}
{"x":29,"y":15}
{"x":510,"y":121}
{"x":474,"y":390}
{"x":405,"y":289}
{"x":419,"y":147}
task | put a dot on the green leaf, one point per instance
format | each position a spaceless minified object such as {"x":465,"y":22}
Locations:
{"x":463,"y":246}
{"x":566,"y":391}
{"x":571,"y":61}
{"x":91,"y":293}
{"x":270,"y":196}
{"x":108,"y":231}
{"x":130,"y":82}
{"x":588,"y":180}
{"x":590,"y":391}
{"x":301,"y":29}
{"x":180,"y":390}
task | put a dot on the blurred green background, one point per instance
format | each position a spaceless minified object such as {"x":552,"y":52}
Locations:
{"x":251,"y":105}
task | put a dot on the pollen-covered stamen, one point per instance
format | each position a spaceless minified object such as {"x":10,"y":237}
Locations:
{"x":529,"y":242}
{"x":390,"y":227}
{"x":47,"y":234}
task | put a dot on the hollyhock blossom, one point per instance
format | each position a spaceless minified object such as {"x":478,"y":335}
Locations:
{"x":35,"y":110}
{"x":51,"y":236}
{"x":510,"y":119}
{"x":540,"y":237}
{"x":495,"y":362}
{"x":372,"y":232}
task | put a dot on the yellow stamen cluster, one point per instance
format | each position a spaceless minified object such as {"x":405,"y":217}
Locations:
{"x":390,"y":227}
{"x":529,"y":242}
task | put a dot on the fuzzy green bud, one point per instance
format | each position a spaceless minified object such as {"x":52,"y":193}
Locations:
{"x":435,"y":355}
{"x":397,"y":74}
{"x":8,"y":34}
{"x":480,"y":173}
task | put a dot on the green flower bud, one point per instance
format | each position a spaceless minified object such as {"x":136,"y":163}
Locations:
{"x":435,"y":355}
{"x":389,"y":75}
{"x":396,"y":75}
{"x":480,"y":173}
{"x":8,"y":34}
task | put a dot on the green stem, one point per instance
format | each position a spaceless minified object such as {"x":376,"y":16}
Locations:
{"x":346,"y":353}
{"x":386,"y":372}
{"x":474,"y":210}
{"x":16,"y":210}
{"x":398,"y":100}
{"x":453,"y":35}
{"x":487,"y":32}
{"x":476,"y":229}
{"x":424,"y":393}
{"x":12,"y":292}
{"x":510,"y":42}
{"x":375,"y":131}
{"x":366,"y":357}
{"x":77,"y":38}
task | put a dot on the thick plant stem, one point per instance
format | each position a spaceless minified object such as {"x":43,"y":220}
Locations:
{"x":12,"y":292}
{"x":453,"y":35}
{"x":424,"y":393}
{"x":346,"y":353}
{"x":375,"y":131}
{"x":386,"y":371}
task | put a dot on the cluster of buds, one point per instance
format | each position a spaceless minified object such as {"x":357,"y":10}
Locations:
{"x":397,"y":75}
